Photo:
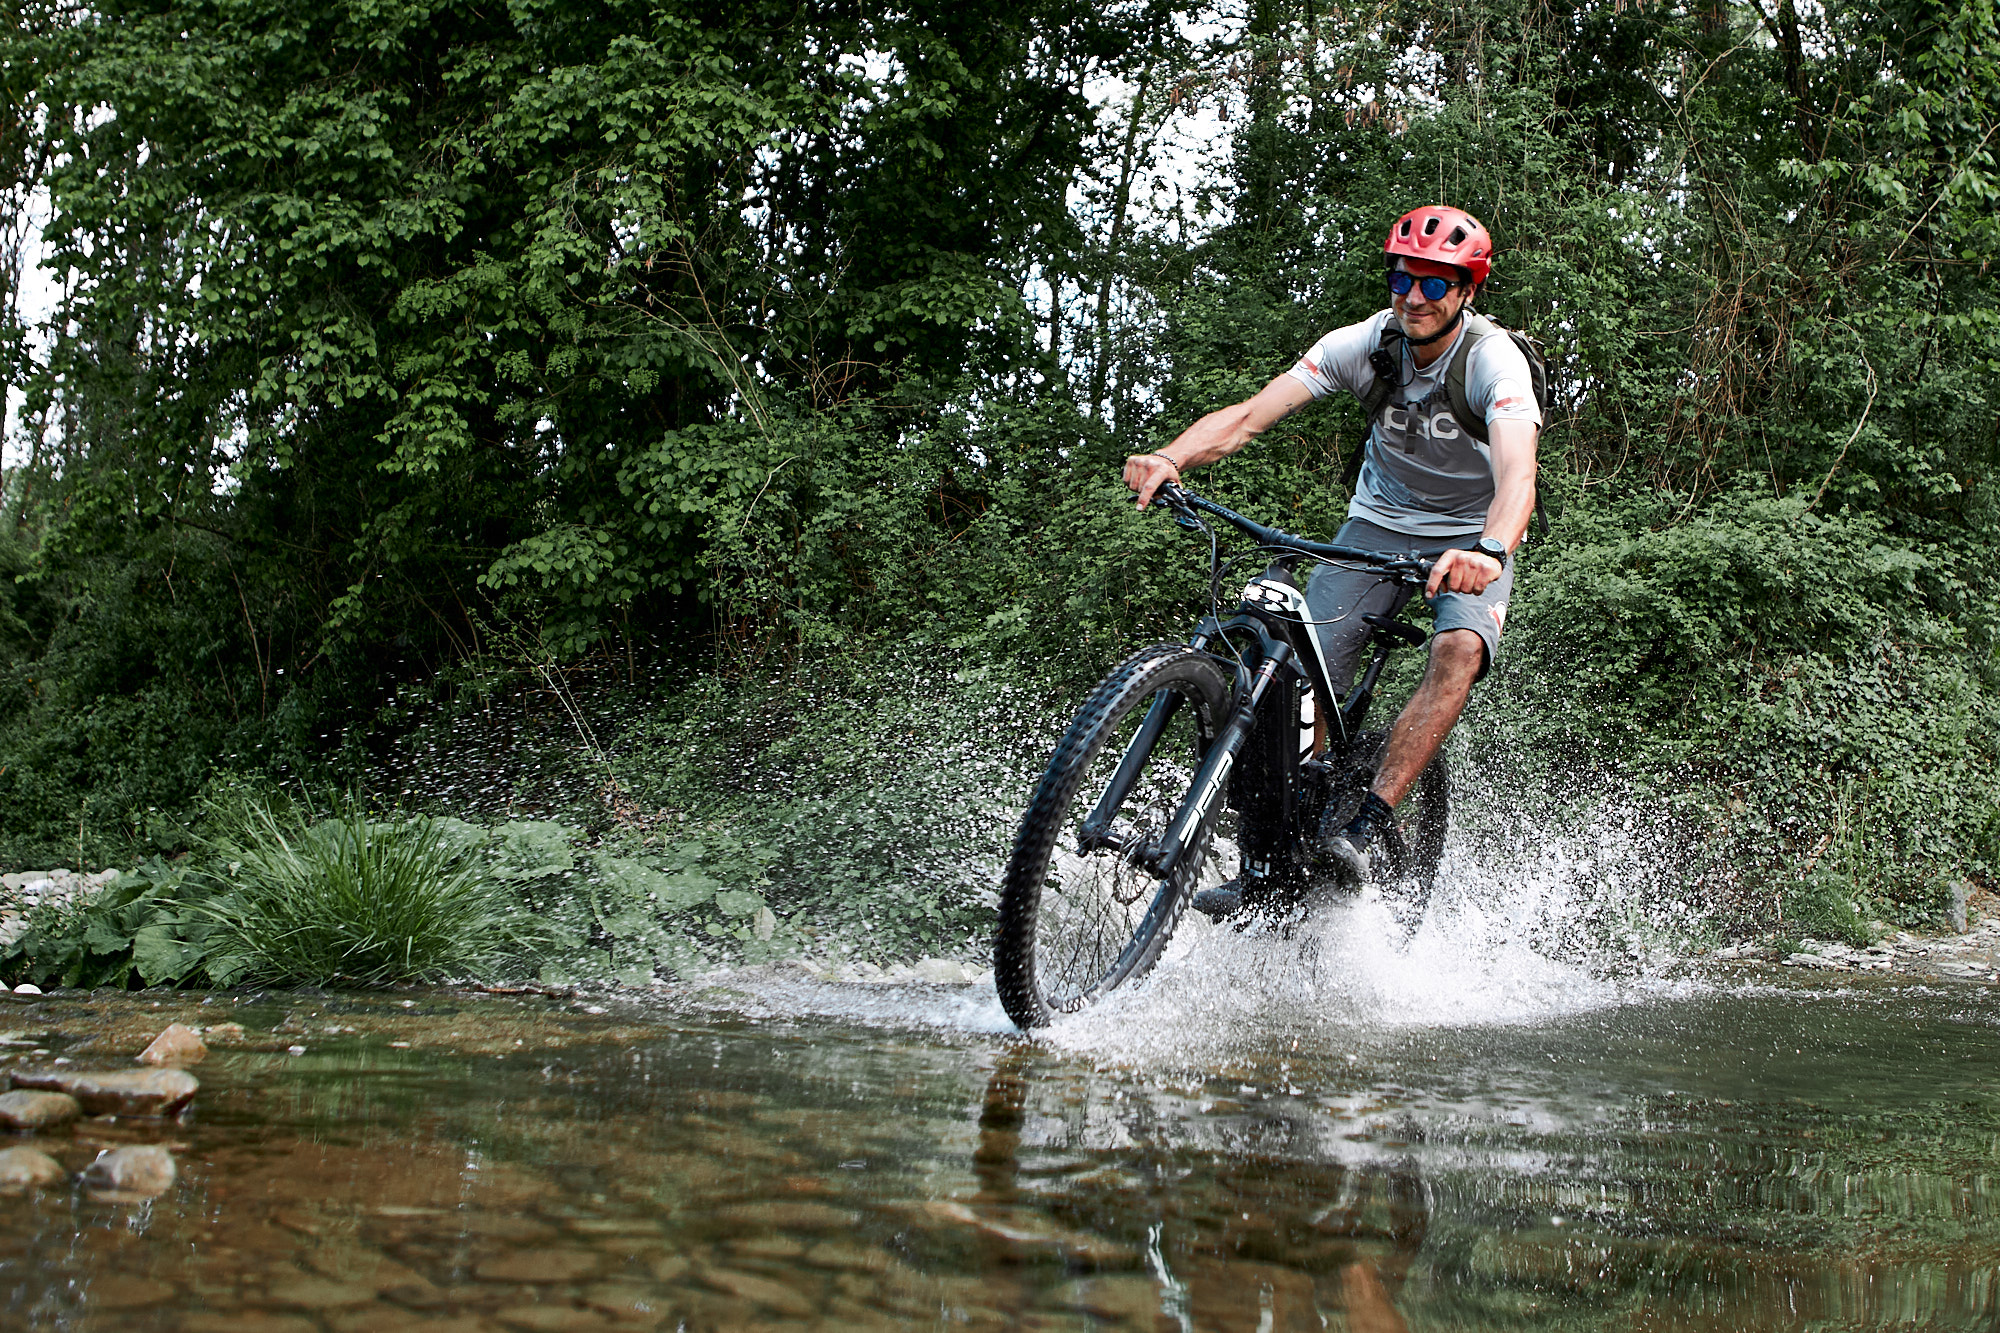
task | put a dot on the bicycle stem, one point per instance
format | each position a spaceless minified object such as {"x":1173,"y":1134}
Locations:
{"x":1164,"y":858}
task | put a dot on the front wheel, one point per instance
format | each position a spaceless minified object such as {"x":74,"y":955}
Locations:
{"x":1079,"y":912}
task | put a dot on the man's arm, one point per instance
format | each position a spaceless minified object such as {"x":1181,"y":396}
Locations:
{"x":1218,"y":435}
{"x":1512,"y":448}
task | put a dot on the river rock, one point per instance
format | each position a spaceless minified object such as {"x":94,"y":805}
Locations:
{"x":539,"y":1266}
{"x":130,"y":1175}
{"x":1959,"y":913}
{"x":148,"y":1092}
{"x":177,"y":1044}
{"x":28,"y":1168}
{"x":26,"y":1111}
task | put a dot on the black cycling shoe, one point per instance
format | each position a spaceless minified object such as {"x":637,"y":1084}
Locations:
{"x":1350,"y":848}
{"x":1219,"y":901}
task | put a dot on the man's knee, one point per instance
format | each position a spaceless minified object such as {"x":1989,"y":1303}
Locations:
{"x":1458,"y":653}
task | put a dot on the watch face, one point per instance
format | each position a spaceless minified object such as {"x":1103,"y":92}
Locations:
{"x":1488,"y":546}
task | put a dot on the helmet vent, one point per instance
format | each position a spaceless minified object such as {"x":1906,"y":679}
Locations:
{"x":1457,"y":235}
{"x":1430,"y":225}
{"x":1406,"y":227}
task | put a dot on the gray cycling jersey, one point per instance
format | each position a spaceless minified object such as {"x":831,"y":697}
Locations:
{"x":1422,"y":473}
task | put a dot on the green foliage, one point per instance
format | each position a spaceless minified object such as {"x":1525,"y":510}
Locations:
{"x":148,"y":926}
{"x":408,"y":348}
{"x":356,"y":901}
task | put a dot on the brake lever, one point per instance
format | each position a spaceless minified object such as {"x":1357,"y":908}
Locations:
{"x":1175,"y":499}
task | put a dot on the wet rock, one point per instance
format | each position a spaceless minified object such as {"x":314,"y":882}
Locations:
{"x":176,"y":1045}
{"x":843,"y":1257}
{"x":502,"y":1226}
{"x":24,"y":1111}
{"x":627,"y":1303}
{"x":1814,"y":960}
{"x":540,"y":1266}
{"x":142,"y":1092}
{"x":940,"y":972}
{"x":28,"y":1168}
{"x":28,"y":988}
{"x":388,"y":1319}
{"x":318,"y":1293}
{"x":120,"y":1291}
{"x":245,"y":1321}
{"x":771,"y":1249}
{"x":130,"y":1175}
{"x":1959,"y":913}
{"x":758,"y":1290}
{"x":1118,"y":1299}
{"x":670,"y":1267}
{"x":790,"y":1215}
{"x":554,"y":1319}
{"x":226,"y":1032}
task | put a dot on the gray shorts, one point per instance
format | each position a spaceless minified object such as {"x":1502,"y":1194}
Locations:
{"x":1338,"y":598}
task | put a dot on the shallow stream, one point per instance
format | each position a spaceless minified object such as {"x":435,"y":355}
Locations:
{"x":1281,"y":1145}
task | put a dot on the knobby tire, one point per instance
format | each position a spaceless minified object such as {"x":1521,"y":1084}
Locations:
{"x":1074,"y":925}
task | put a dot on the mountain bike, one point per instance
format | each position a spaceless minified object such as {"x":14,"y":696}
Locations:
{"x":1237,"y":721}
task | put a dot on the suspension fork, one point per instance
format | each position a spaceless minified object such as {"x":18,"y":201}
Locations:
{"x":1164,"y":857}
{"x":1095,"y":832}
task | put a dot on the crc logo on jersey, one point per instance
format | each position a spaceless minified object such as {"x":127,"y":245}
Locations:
{"x":1431,"y":421}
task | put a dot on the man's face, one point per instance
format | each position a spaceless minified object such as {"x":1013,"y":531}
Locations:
{"x":1421,"y":317}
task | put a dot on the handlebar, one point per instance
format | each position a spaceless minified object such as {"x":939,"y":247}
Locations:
{"x":1184,"y":502}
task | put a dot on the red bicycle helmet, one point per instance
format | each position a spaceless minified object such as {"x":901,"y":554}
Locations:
{"x":1443,"y":236}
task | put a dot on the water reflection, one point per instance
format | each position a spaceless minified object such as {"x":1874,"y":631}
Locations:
{"x":1236,"y":1243}
{"x":1753,"y":1161}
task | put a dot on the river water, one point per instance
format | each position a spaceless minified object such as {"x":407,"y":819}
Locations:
{"x":1260,"y":1139}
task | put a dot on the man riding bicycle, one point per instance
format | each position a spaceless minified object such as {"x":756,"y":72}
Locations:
{"x":1426,"y":482}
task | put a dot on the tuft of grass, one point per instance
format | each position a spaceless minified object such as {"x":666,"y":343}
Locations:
{"x":356,"y":901}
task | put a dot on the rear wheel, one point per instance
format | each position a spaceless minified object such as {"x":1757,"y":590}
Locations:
{"x":1080,"y":916}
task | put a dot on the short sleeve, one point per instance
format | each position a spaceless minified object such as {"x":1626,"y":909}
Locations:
{"x":1340,"y":359}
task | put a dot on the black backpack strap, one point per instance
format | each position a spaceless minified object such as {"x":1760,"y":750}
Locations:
{"x":1387,"y":363}
{"x":1473,"y":423}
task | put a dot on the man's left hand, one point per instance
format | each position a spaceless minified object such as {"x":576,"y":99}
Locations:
{"x":1462,"y":571}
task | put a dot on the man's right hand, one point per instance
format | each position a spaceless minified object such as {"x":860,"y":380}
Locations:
{"x":1146,"y":473}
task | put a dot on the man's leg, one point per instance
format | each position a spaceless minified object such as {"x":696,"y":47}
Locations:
{"x":1466,"y":636}
{"x":1456,"y":658}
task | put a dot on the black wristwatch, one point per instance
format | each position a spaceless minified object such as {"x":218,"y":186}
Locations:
{"x":1496,"y":549}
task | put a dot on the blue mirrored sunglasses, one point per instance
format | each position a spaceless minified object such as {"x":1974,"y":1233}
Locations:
{"x":1434,"y":287}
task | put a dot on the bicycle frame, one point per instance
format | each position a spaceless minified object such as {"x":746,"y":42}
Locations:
{"x":1282,"y":789}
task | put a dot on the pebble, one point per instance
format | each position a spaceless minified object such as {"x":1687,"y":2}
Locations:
{"x":121,"y":1291}
{"x":177,"y":1044}
{"x":28,"y":1168}
{"x":554,"y":1319}
{"x":758,"y":1290}
{"x":319,"y":1293}
{"x":226,"y":1032}
{"x":245,"y":1321}
{"x":621,"y":1301}
{"x":540,"y":1266}
{"x":143,"y":1092}
{"x":25,"y":1111}
{"x":789,"y":1215}
{"x":130,"y":1175}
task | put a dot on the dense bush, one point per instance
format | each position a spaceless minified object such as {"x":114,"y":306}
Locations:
{"x":672,"y":340}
